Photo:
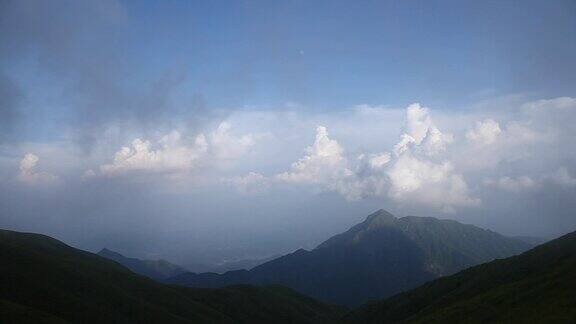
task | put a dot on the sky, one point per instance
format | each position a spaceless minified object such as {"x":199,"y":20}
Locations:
{"x":212,"y":131}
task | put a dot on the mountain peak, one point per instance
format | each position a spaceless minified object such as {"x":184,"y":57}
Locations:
{"x":380,"y":217}
{"x":379,"y":257}
{"x":109,"y":253}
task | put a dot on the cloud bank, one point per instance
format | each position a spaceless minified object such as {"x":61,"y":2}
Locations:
{"x":427,"y":166}
{"x":414,"y":173}
{"x":511,"y":171}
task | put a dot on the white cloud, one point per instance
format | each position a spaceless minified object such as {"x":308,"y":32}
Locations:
{"x":422,"y":133}
{"x":379,"y":161}
{"x":228,"y":147}
{"x":28,"y":173}
{"x":490,"y":146}
{"x":174,"y":153}
{"x":553,"y":104}
{"x":518,"y":132}
{"x":418,"y":122}
{"x":486,"y":132}
{"x":416,"y":175}
{"x":436,"y":185}
{"x":411,"y":175}
{"x":511,"y":184}
{"x":560,"y":177}
{"x":323,"y":165}
{"x":418,"y":180}
{"x":421,"y":163}
{"x":249,"y":184}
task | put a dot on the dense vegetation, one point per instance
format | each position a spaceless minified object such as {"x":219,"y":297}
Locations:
{"x":377,"y":258}
{"x":538,"y":286}
{"x":43,"y":280}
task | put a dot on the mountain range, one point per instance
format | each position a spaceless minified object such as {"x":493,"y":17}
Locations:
{"x":155,"y":269}
{"x":380,"y":257}
{"x":43,"y":280}
{"x":162,"y":270}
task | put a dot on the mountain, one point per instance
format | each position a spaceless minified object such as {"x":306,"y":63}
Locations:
{"x":377,"y":258}
{"x":43,"y":280}
{"x":245,"y":264}
{"x":155,"y":269}
{"x":161,"y":269}
{"x":533,"y":240}
{"x":538,"y":286}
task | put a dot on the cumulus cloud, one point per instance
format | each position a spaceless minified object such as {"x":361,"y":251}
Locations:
{"x":422,"y":133}
{"x":412,"y":174}
{"x":378,"y":161}
{"x":324,"y":166}
{"x":323,"y":162}
{"x":28,"y":173}
{"x":430,"y":164}
{"x":175,"y":152}
{"x":225,"y":146}
{"x":486,"y":132}
{"x":492,"y":145}
{"x":416,"y":175}
{"x":435,"y":184}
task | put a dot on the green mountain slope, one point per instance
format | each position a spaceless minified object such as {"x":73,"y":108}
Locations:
{"x":43,"y":280}
{"x":377,"y":258}
{"x":155,"y":269}
{"x":538,"y":286}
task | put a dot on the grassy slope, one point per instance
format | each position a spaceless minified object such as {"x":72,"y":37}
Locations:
{"x":538,"y":286}
{"x":43,"y":280}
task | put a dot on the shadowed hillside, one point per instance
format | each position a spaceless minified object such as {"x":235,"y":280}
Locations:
{"x":377,"y":258}
{"x":538,"y":286}
{"x":43,"y":280}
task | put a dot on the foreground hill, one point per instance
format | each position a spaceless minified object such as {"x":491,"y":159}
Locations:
{"x":155,"y":269}
{"x":43,"y":280}
{"x":377,"y":258}
{"x":538,"y":286}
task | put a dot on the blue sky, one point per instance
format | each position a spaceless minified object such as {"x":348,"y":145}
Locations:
{"x":147,"y":126}
{"x":323,"y":55}
{"x":338,"y":53}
